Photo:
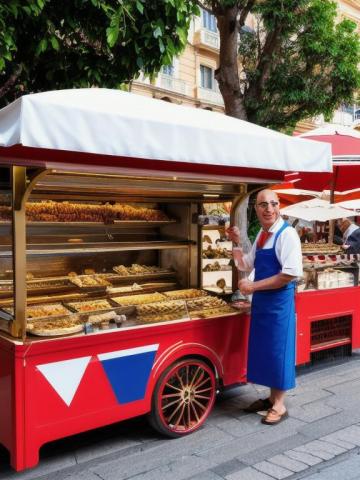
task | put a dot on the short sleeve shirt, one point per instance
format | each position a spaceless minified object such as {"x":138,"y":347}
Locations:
{"x":287,"y":250}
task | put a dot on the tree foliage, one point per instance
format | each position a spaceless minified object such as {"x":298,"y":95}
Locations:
{"x":51,"y":44}
{"x":298,"y":62}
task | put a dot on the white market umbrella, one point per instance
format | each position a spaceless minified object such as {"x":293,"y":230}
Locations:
{"x":316,"y":209}
{"x":350,"y":204}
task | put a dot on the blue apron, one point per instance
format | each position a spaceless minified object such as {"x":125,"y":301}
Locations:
{"x":271,"y":358}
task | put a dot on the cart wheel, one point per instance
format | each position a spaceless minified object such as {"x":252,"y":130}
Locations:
{"x":183,"y":397}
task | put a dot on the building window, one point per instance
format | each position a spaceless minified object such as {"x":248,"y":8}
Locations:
{"x":208,"y":20}
{"x":168,"y":69}
{"x":206,"y":77}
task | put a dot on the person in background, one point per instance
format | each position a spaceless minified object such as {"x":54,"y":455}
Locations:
{"x":350,"y":235}
{"x":277,"y":260}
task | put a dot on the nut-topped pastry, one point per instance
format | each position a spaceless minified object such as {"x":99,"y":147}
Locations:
{"x":139,"y":299}
{"x":90,"y":306}
{"x":161,"y":307}
{"x":186,"y":293}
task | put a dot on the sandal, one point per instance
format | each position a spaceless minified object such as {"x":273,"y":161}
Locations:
{"x":258,"y":406}
{"x":273,"y":417}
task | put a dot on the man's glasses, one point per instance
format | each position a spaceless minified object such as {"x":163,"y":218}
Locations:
{"x":265,"y":205}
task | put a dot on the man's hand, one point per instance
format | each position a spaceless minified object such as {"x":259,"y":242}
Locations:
{"x":246,"y":287}
{"x":234,"y":234}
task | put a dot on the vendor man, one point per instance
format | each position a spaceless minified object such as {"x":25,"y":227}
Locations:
{"x":276,"y":258}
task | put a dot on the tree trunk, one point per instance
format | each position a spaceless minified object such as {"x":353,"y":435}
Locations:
{"x":227,"y":74}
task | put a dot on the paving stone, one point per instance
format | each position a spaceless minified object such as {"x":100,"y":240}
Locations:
{"x":273,"y":470}
{"x":348,"y":469}
{"x":303,"y":457}
{"x":228,"y":467}
{"x":249,"y":473}
{"x":184,"y":468}
{"x":84,"y":454}
{"x":350,"y":434}
{"x":46,"y":467}
{"x":338,"y":421}
{"x":313,"y":411}
{"x":253,"y":441}
{"x":352,"y":385}
{"x":288,"y":463}
{"x":328,"y":447}
{"x":333,"y":439}
{"x":161,"y":455}
{"x":239,"y":427}
{"x":315,"y":452}
{"x":208,"y":475}
{"x":267,"y":451}
{"x":306,"y":394}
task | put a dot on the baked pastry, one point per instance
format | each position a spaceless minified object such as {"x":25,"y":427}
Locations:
{"x":187,"y":293}
{"x":204,"y":303}
{"x":61,"y":326}
{"x":161,"y":308}
{"x":90,"y":306}
{"x":139,"y":299}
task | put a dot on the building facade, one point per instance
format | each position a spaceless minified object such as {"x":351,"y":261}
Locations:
{"x":190,"y":79}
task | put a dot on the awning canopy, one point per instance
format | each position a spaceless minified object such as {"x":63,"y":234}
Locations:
{"x":345,"y":145}
{"x":120,"y":129}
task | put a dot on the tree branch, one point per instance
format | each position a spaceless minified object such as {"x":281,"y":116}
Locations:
{"x":10,"y":82}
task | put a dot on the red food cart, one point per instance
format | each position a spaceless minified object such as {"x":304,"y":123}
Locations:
{"x":102,"y":314}
{"x":328,"y":309}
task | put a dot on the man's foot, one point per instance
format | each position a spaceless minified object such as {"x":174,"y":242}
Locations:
{"x":259,"y":406}
{"x":273,"y":417}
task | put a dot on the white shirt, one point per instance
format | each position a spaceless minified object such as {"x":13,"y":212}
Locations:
{"x":351,"y":229}
{"x":287,"y":250}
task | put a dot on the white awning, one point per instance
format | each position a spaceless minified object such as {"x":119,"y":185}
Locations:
{"x":117,"y":123}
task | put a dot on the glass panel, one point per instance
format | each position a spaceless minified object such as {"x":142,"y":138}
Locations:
{"x":208,"y":21}
{"x":206,"y":74}
{"x":6,"y":268}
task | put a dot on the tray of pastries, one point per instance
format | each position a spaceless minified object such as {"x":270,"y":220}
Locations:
{"x":204,"y":303}
{"x":68,"y":212}
{"x":218,"y":252}
{"x":135,"y":288}
{"x":43,"y":311}
{"x":139,"y":299}
{"x":162,"y":317}
{"x":90,"y":305}
{"x":56,"y":327}
{"x":94,"y":282}
{"x":171,"y":306}
{"x":321,"y":248}
{"x":184,"y":294}
{"x":136,"y":270}
{"x":213,"y":312}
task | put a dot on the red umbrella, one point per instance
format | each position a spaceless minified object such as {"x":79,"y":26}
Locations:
{"x":345,"y":143}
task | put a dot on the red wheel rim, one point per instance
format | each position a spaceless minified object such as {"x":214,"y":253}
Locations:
{"x":186,"y":396}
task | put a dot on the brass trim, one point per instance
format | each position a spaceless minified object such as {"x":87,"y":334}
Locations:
{"x":20,"y":194}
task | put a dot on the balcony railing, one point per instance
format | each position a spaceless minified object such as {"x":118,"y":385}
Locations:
{"x":173,"y":84}
{"x":209,"y":95}
{"x":207,"y":38}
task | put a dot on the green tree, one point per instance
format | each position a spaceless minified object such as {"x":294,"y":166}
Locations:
{"x":298,"y":63}
{"x":51,"y":44}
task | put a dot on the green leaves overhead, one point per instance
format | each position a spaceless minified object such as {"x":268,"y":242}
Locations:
{"x":47,"y":44}
{"x":312,"y":67}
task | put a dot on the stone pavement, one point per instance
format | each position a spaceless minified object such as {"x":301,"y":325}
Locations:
{"x":319,"y":441}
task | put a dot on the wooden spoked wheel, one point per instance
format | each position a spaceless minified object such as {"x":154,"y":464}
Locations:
{"x":183,"y":397}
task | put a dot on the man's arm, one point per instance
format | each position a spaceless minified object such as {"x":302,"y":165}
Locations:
{"x":276,"y":281}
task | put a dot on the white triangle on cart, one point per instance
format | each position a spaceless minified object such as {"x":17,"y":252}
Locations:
{"x":65,"y":376}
